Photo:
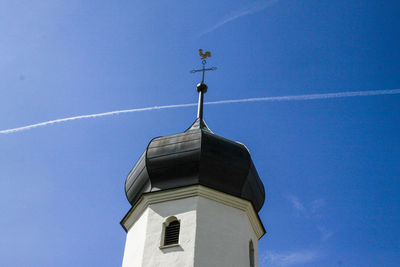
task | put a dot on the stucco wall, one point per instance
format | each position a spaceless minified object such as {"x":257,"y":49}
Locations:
{"x":148,"y":236}
{"x":183,"y":255}
{"x":223,"y":235}
{"x":135,"y":239}
{"x":211,"y":234}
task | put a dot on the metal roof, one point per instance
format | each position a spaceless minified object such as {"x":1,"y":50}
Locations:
{"x":196,"y":156}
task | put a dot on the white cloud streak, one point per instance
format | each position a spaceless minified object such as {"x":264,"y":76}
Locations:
{"x":326,"y":234}
{"x":257,"y":99}
{"x":276,"y":259}
{"x":316,"y":205}
{"x":248,"y":10}
{"x":312,"y":211}
{"x":297,"y":205}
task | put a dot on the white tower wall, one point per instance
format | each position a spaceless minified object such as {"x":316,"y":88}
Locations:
{"x":223,"y":235}
{"x":134,"y":250}
{"x":215,"y":230}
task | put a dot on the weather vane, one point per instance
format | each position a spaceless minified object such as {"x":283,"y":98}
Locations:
{"x":203,"y":56}
{"x":202,"y":87}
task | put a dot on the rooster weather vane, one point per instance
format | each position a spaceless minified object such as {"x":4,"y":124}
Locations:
{"x":203,"y":56}
{"x":202,"y":87}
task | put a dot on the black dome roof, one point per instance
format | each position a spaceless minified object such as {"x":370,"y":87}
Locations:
{"x":196,"y":157}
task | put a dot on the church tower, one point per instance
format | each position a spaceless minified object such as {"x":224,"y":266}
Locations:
{"x":195,"y":199}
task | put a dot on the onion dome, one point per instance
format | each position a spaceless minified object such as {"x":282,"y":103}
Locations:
{"x":196,"y":157}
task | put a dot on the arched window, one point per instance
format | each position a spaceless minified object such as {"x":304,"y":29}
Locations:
{"x":251,"y":253}
{"x":171,"y":231}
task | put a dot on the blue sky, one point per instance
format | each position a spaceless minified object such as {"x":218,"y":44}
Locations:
{"x":330,"y":167}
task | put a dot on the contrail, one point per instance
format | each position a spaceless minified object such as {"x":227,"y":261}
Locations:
{"x":266,"y":99}
{"x":248,"y":10}
{"x":309,"y":97}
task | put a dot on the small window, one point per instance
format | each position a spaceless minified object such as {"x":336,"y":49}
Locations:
{"x":171,"y":231}
{"x":251,"y":253}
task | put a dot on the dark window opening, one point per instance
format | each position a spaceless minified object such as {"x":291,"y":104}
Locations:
{"x":251,"y":254}
{"x":172,"y":233}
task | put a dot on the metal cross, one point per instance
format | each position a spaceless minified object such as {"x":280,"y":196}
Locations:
{"x":202,"y":87}
{"x":204,"y":62}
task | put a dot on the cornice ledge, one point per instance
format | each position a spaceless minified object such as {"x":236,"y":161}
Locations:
{"x":190,"y":191}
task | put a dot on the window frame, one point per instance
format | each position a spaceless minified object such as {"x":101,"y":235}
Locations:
{"x":165,"y":224}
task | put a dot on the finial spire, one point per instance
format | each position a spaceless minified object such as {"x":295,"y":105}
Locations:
{"x":202,"y":87}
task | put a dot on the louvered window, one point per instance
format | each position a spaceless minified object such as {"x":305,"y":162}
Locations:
{"x":171,"y":235}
